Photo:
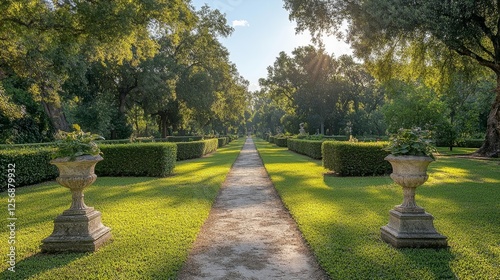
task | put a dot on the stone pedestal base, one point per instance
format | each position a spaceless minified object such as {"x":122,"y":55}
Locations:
{"x":414,"y":230}
{"x":77,"y":231}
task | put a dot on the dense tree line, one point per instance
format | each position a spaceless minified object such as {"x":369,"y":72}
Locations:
{"x":450,"y":96}
{"x":382,"y":32}
{"x":116,"y":68}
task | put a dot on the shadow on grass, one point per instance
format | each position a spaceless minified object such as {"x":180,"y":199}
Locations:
{"x":341,"y":217}
{"x":39,"y":263}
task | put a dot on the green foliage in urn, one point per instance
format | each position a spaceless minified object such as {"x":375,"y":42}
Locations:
{"x":411,"y":142}
{"x":76,"y":143}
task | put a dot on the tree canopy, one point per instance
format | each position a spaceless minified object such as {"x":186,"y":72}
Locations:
{"x":107,"y":64}
{"x":469,"y":28}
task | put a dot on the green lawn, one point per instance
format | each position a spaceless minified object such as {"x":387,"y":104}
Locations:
{"x":445,"y":151}
{"x":154,"y":222}
{"x":341,"y":217}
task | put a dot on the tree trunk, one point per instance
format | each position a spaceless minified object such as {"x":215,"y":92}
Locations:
{"x":163,"y":124}
{"x":491,"y":145}
{"x":56,"y":116}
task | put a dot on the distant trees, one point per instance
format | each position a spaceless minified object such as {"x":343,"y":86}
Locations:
{"x":380,"y":28}
{"x":327,"y":93}
{"x":110,"y":65}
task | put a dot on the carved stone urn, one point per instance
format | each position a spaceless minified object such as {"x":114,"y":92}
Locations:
{"x":409,"y":225}
{"x":79,"y":228}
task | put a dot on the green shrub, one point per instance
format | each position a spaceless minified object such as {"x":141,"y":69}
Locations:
{"x":281,"y":141}
{"x":196,"y":149}
{"x":309,"y":148}
{"x":337,"y":137}
{"x":355,"y":159}
{"x":145,"y":159}
{"x":271,"y":139}
{"x":31,"y":166}
{"x":223,"y":141}
{"x":184,"y":138}
{"x":472,"y":143}
{"x":26,"y":146}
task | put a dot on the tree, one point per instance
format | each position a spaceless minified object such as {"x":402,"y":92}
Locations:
{"x":468,"y":27}
{"x":325,"y":91}
{"x":45,"y":41}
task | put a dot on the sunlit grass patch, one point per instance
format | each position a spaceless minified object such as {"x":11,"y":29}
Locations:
{"x":340,"y":217}
{"x":154,"y":222}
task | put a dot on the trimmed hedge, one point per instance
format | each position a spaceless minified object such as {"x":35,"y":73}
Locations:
{"x":145,"y":159}
{"x":31,"y":166}
{"x":224,"y":140}
{"x":281,"y":141}
{"x":271,"y":139}
{"x":310,"y":148}
{"x":27,"y":146}
{"x":196,"y":149}
{"x":337,"y":137}
{"x":356,"y":159}
{"x":472,"y":143}
{"x":184,"y":138}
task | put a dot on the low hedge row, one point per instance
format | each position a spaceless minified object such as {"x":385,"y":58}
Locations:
{"x":196,"y":149}
{"x":281,"y":141}
{"x":310,"y":148}
{"x":33,"y":166}
{"x":224,"y":140}
{"x":270,"y":139}
{"x":29,"y":166}
{"x":184,"y":138}
{"x":146,"y":159}
{"x":355,"y":159}
{"x":472,"y":143}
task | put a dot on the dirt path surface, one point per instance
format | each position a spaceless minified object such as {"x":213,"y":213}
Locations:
{"x":249,"y":234}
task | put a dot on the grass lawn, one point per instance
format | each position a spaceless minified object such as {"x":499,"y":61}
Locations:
{"x":154,"y":222}
{"x":341,"y":217}
{"x":445,"y":151}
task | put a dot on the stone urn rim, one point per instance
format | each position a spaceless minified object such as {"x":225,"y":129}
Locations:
{"x":392,"y":157}
{"x":77,"y":159}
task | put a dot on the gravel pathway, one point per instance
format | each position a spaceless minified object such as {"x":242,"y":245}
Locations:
{"x":249,"y":234}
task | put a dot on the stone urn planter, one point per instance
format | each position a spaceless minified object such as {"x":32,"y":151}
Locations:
{"x":79,"y":228}
{"x":409,"y":225}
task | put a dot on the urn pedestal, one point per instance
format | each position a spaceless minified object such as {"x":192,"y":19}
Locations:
{"x":409,"y":225}
{"x":79,"y":228}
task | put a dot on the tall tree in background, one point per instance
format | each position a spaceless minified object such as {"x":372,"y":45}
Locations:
{"x":44,"y":41}
{"x":468,"y":27}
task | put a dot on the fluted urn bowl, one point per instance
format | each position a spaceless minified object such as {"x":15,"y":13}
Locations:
{"x":409,"y":172}
{"x":76,"y":175}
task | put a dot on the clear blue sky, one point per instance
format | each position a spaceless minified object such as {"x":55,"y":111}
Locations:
{"x":262,"y":31}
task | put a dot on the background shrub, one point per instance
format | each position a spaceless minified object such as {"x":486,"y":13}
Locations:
{"x":184,"y":138}
{"x":337,"y":137}
{"x":310,"y":148}
{"x":32,"y":166}
{"x":196,"y":149}
{"x":472,"y":143}
{"x":145,"y":159}
{"x":271,"y":139}
{"x":223,"y":141}
{"x":281,"y":141}
{"x":356,"y":159}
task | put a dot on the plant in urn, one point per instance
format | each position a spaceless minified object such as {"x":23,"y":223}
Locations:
{"x":79,"y":228}
{"x":409,"y":225}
